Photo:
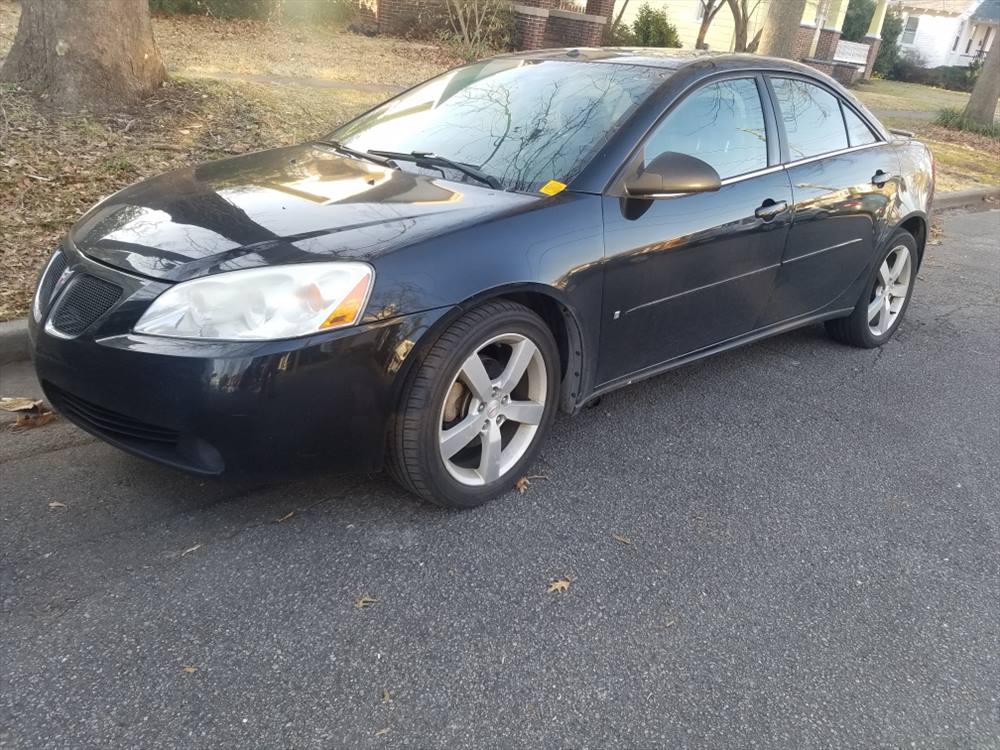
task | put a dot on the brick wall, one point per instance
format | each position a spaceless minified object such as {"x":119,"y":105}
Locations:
{"x":602,"y":8}
{"x":403,"y":16}
{"x":804,"y":41}
{"x":826,"y":47}
{"x":873,"y":43}
{"x":568,"y":29}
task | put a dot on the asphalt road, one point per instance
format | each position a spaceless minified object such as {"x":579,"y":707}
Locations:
{"x":814,"y":563}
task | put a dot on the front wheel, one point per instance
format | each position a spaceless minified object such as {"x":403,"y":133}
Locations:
{"x":476,"y":411}
{"x":884,"y":300}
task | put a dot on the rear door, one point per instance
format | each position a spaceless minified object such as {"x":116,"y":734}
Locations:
{"x":689,"y":271}
{"x":843,"y":180}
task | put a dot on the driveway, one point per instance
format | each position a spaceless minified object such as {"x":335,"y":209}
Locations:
{"x":813,"y":560}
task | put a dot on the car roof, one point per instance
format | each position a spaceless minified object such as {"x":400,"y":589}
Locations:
{"x":665,"y":58}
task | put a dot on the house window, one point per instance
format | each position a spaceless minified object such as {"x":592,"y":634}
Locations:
{"x":968,"y":45}
{"x":910,"y":31}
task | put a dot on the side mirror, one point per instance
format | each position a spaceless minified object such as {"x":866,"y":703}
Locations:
{"x":672,"y":172}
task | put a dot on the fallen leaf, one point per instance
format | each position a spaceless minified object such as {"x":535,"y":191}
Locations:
{"x":386,"y":696}
{"x":189,"y":670}
{"x":381,"y":732}
{"x":18,"y":403}
{"x":522,"y":485}
{"x":558,"y":586}
{"x":670,"y":624}
{"x":363,"y":602}
{"x":285,"y":517}
{"x":621,"y":539}
{"x":27,"y":420}
{"x":57,"y":504}
{"x":189,"y":550}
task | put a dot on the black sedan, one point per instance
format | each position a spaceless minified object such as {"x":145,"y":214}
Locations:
{"x":424,"y":288}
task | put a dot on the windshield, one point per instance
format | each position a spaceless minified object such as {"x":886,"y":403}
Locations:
{"x":524,"y":122}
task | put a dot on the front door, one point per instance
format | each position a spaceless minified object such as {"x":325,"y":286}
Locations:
{"x":690,"y":271}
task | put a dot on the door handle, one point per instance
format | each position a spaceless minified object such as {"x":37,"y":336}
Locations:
{"x":769,"y":209}
{"x":880,"y":178}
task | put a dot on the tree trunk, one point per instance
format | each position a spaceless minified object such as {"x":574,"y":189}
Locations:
{"x":710,"y":8}
{"x":982,"y":104}
{"x":781,"y":28}
{"x":85,"y":54}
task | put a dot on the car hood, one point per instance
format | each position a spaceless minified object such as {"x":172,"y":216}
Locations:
{"x":298,"y":204}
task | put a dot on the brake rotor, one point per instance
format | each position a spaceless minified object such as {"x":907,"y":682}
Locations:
{"x":456,"y":403}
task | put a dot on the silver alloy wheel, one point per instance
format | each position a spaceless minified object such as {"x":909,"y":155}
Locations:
{"x":890,"y":290}
{"x":487,"y":422}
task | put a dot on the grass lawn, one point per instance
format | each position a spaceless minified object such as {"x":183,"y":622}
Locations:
{"x":907,"y":97}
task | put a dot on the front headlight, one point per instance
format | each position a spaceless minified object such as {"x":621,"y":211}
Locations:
{"x":259,"y":304}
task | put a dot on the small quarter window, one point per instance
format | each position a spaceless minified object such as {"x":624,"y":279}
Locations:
{"x":721,"y":123}
{"x":811,"y":116}
{"x":858,"y":133}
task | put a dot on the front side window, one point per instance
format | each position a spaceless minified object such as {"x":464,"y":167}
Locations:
{"x":525,"y":122}
{"x":910,"y":31}
{"x":811,"y":116}
{"x":721,"y":123}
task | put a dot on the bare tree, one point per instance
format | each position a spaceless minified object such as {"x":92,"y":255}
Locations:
{"x":709,"y":10}
{"x":85,"y":54}
{"x":743,"y":11}
{"x":781,"y":28}
{"x":983,"y":103}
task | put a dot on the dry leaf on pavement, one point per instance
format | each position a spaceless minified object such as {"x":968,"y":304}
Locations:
{"x":621,"y":539}
{"x":386,"y":696}
{"x":57,"y":504}
{"x":17,"y":403}
{"x":558,"y":586}
{"x":381,"y":732}
{"x":189,"y":670}
{"x":189,"y":550}
{"x":363,"y":602}
{"x":285,"y":517}
{"x":30,"y":412}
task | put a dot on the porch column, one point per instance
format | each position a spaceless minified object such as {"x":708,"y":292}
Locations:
{"x":874,"y":36}
{"x":829,"y":33}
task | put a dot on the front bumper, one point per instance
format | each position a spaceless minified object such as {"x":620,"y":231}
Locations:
{"x":207,"y":407}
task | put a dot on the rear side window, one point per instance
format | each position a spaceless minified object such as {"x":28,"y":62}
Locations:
{"x":812,"y":118}
{"x":858,"y":133}
{"x":721,"y":123}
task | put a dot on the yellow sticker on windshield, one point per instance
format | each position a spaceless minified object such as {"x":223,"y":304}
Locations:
{"x":552,"y":187}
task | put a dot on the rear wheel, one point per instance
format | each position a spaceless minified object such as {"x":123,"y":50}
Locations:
{"x":886,"y":296}
{"x":475,"y":412}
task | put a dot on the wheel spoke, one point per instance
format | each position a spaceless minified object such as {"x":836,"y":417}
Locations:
{"x":525,"y":412}
{"x":489,"y":462}
{"x":520,"y":358}
{"x":474,"y":375}
{"x":873,"y":308}
{"x":902,"y":255}
{"x":884,"y":317}
{"x":459,"y":436}
{"x":884,"y":274}
{"x":897,"y":290}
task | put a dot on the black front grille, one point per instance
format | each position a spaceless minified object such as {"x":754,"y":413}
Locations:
{"x":86,"y":300}
{"x":107,"y":422}
{"x":53,"y":271}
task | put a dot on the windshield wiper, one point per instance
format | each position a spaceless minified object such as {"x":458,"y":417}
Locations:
{"x":371,"y":156}
{"x":428,"y":159}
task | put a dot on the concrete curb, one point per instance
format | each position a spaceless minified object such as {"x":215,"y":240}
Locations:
{"x":14,"y":333}
{"x":13,"y":340}
{"x":965,"y":198}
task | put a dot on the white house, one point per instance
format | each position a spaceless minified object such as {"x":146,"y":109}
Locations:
{"x":948,"y":32}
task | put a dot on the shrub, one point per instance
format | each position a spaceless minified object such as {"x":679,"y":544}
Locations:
{"x":479,"y":27}
{"x":857,"y":20}
{"x":954,"y":119}
{"x":888,"y":52}
{"x":651,"y":28}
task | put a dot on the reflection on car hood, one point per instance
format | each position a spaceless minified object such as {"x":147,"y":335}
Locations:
{"x":290,"y":205}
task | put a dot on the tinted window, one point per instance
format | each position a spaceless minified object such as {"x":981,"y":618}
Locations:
{"x":722,"y":124}
{"x":859,"y":133}
{"x":812,"y":118}
{"x":523,"y":122}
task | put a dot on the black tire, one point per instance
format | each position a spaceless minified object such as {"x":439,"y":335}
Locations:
{"x":854,"y":329}
{"x":414,"y":459}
